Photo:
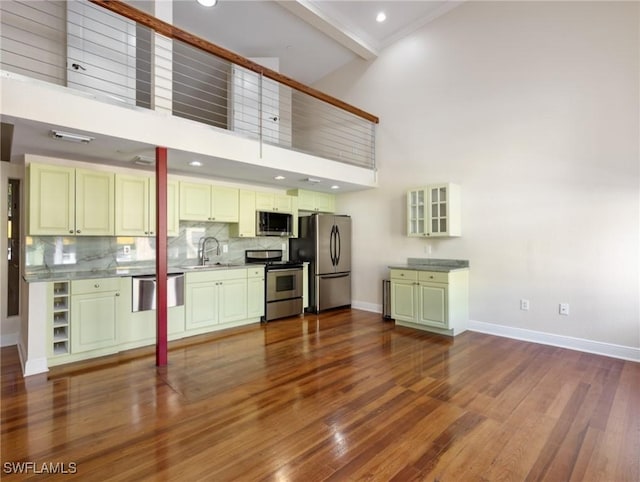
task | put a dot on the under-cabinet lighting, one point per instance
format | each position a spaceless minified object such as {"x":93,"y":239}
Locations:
{"x":195,"y":164}
{"x":71,"y":137}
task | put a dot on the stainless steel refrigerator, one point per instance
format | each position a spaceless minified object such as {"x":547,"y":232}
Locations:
{"x":324,"y":240}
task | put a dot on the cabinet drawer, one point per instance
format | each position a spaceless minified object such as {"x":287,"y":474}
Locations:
{"x":94,"y":285}
{"x":433,"y":276}
{"x":405,"y":274}
{"x":216,"y":275}
{"x":255,"y":272}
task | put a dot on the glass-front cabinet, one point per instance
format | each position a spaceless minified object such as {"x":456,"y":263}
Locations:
{"x":434,"y":211}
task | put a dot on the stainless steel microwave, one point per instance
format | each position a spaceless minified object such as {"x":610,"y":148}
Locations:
{"x":273,"y":224}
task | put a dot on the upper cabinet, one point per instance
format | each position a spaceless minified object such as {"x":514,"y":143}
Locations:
{"x":205,"y":202}
{"x":136,"y":206}
{"x":64,"y":201}
{"x":267,"y":201}
{"x":314,"y":201}
{"x":246,"y":225}
{"x":434,"y":211}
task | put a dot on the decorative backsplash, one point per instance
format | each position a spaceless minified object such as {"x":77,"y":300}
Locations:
{"x":57,"y":254}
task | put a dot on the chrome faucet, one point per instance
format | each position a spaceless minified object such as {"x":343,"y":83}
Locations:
{"x":203,"y":250}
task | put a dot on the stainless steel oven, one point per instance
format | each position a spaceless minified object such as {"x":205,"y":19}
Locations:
{"x":283,"y":283}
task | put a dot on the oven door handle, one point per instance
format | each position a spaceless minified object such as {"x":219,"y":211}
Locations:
{"x":285,"y":270}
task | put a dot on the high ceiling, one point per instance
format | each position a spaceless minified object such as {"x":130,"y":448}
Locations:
{"x":310,"y":38}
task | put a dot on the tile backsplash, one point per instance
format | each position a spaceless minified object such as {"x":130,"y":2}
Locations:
{"x":58,"y":254}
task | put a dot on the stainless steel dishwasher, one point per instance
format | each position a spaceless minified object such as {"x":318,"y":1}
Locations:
{"x":143,"y":295}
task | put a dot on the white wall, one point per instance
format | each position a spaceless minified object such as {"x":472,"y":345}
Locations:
{"x":533,"y":108}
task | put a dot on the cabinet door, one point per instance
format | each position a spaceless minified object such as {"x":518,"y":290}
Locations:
{"x":403,"y":301}
{"x":195,"y":201}
{"x":233,"y":300}
{"x":93,"y":321}
{"x":201,"y":304}
{"x":438,"y":211}
{"x":255,"y":303}
{"x":325,"y":203}
{"x":173,"y":222}
{"x":132,"y":205}
{"x":51,"y":200}
{"x":264,"y":201}
{"x":282,"y":203}
{"x":224,"y":204}
{"x":433,"y":305}
{"x":95,"y":203}
{"x":416,"y":221}
{"x":246,"y":227}
{"x":306,"y":200}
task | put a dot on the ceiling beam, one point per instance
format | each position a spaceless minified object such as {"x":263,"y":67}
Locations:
{"x":306,"y":11}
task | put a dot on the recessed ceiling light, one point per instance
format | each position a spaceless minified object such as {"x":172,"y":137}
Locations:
{"x":335,"y":187}
{"x":71,"y":137}
{"x":207,"y":3}
{"x":381,"y":17}
{"x":195,"y":163}
{"x":279,"y":178}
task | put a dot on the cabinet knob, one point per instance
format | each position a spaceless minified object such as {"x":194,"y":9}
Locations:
{"x":71,"y":231}
{"x":96,"y":285}
{"x":150,"y":232}
{"x":78,"y":231}
{"x":146,"y":232}
{"x":118,"y":294}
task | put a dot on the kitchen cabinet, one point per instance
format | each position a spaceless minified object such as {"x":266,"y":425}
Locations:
{"x":267,"y":201}
{"x":255,"y":292}
{"x":64,"y":201}
{"x":431,"y":300}
{"x":215,"y":297}
{"x":246,"y":226}
{"x":59,"y":305}
{"x":206,"y":202}
{"x":135,"y":211}
{"x":434,"y":211}
{"x":314,"y":201}
{"x":94,"y":313}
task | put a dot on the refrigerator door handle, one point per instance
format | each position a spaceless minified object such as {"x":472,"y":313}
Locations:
{"x":332,"y":245}
{"x":338,"y":245}
{"x":339,"y":275}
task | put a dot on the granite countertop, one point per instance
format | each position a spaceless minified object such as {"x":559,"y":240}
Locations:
{"x":121,"y":271}
{"x":431,"y":264}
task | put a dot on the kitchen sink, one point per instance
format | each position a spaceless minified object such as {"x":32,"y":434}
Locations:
{"x":211,"y":266}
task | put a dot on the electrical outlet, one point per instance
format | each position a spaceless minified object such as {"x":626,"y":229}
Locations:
{"x":524,"y":305}
{"x":564,"y":309}
{"x":126,"y":249}
{"x":225,"y":248}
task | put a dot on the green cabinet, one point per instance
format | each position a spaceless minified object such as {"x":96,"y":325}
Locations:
{"x":215,"y":297}
{"x":268,"y":201}
{"x":206,"y":202}
{"x":434,"y":211}
{"x":246,"y":225}
{"x":430,"y":300}
{"x":314,"y":201}
{"x":135,"y":212}
{"x":255,"y":292}
{"x":64,"y":201}
{"x":95,"y":308}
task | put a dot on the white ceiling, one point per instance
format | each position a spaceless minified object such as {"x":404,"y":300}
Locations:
{"x":310,"y":38}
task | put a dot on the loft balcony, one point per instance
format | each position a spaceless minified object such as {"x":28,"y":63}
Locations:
{"x":134,"y":82}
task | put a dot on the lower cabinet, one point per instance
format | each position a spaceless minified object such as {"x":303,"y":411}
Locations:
{"x":95,"y":307}
{"x":219,"y":299}
{"x":255,"y":292}
{"x":430,"y":300}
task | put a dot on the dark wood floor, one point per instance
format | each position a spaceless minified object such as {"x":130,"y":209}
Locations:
{"x":343,"y":396}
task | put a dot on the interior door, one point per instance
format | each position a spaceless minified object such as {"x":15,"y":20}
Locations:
{"x":101,"y":52}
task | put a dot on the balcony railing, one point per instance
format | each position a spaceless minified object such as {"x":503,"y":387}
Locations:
{"x":124,"y":55}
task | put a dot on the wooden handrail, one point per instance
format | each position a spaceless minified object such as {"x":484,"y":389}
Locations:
{"x":176,"y":33}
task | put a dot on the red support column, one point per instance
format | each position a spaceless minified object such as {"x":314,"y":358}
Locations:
{"x":161,"y":256}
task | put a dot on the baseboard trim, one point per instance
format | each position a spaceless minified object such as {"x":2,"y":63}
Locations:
{"x":31,"y":367}
{"x":361,"y":305}
{"x":9,"y":340}
{"x":571,"y":343}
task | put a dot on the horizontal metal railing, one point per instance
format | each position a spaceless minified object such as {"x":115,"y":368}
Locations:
{"x":124,"y":59}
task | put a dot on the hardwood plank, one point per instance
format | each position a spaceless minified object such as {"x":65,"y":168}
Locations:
{"x":338,"y":396}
